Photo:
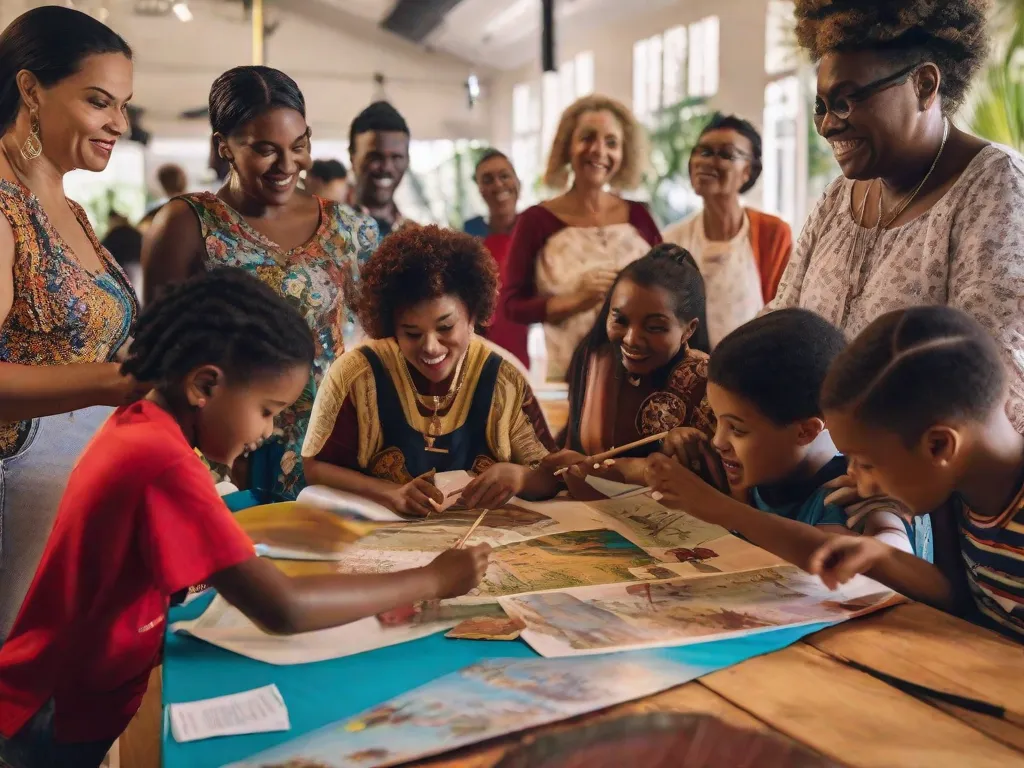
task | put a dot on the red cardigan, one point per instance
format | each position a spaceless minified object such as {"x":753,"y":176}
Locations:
{"x":773,"y":243}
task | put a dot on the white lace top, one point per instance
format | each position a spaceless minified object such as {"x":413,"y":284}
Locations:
{"x":967,"y":252}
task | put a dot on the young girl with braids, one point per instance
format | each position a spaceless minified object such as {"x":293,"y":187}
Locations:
{"x":643,"y":367}
{"x":141,"y":520}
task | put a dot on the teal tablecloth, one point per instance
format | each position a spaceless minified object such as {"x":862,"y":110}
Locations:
{"x":322,"y":693}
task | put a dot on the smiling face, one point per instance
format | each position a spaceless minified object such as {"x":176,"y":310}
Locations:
{"x":379,"y":160}
{"x":82,"y":116}
{"x":643,"y":327}
{"x":922,"y":476}
{"x":720,"y":163}
{"x":268,"y":153}
{"x":872,"y":140}
{"x":499,"y":186}
{"x":234,"y":416}
{"x":754,"y":449}
{"x":596,"y":148}
{"x":434,"y":335}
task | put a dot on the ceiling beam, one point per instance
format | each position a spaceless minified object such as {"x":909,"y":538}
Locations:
{"x":416,"y":19}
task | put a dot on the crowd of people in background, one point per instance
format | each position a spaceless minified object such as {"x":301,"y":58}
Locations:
{"x":853,"y":403}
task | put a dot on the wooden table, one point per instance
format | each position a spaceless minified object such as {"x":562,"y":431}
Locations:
{"x":808,"y":693}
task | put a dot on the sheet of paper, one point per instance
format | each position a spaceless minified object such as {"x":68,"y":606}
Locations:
{"x":226,"y":627}
{"x":261,"y":710}
{"x":346,"y":503}
{"x":611,"y":488}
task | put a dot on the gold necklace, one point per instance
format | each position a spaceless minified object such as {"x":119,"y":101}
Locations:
{"x":439,"y":403}
{"x":913,"y":194}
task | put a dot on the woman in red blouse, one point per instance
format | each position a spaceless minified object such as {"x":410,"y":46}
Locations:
{"x":567,"y":251}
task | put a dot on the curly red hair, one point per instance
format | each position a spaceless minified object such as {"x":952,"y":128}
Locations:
{"x":415,"y":264}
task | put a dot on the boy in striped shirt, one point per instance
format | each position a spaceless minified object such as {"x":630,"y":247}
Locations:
{"x":918,"y":404}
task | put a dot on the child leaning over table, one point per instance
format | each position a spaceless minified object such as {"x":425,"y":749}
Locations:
{"x":918,"y":403}
{"x":771,"y":444}
{"x":141,"y":520}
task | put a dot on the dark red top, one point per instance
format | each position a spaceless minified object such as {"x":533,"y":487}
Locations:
{"x":534,"y":228}
{"x":140,"y":520}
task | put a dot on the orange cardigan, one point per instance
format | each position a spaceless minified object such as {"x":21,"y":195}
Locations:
{"x":773,"y":242}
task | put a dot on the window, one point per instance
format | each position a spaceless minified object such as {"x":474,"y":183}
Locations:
{"x":682,"y":62}
{"x":781,"y":144}
{"x":780,"y":50}
{"x":526,"y":137}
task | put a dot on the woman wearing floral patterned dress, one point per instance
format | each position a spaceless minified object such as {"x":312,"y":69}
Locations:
{"x":305,"y":247}
{"x":66,"y":308}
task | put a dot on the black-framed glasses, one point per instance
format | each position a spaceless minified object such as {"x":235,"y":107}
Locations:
{"x":842,"y":106}
{"x":729,"y":154}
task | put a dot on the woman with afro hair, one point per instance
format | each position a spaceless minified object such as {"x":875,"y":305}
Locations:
{"x":926,"y":213}
{"x":426,"y":394}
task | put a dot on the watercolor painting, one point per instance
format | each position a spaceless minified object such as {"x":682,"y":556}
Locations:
{"x":561,"y":561}
{"x":295,"y":531}
{"x":655,"y":527}
{"x":647,"y":615}
{"x":482,"y":701}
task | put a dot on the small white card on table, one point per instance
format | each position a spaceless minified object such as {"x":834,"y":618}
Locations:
{"x":261,"y":710}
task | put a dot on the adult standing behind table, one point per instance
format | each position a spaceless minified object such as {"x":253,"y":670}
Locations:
{"x":566,"y":252}
{"x":66,"y":308}
{"x":741,"y":252}
{"x":379,"y":148}
{"x":926,"y":213}
{"x":499,"y":187}
{"x":328,"y":179}
{"x":303,"y":246}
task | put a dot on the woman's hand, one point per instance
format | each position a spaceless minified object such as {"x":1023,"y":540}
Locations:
{"x":413,"y":499}
{"x":122,"y":390}
{"x":560,"y":460}
{"x":842,"y":557}
{"x":692,"y":449}
{"x":457,"y":571}
{"x":494,"y":486}
{"x":595,"y":286}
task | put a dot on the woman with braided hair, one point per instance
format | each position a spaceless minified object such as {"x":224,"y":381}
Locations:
{"x":303,"y":246}
{"x":926,"y":213}
{"x":643,"y":367}
{"x":141,"y":520}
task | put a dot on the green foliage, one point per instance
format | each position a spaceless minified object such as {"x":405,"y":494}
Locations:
{"x":996,"y":110}
{"x":673,"y":136}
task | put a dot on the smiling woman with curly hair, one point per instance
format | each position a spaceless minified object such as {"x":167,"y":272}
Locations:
{"x":926,"y":213}
{"x":426,"y":394}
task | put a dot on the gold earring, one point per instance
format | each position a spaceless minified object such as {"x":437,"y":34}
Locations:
{"x":33,"y":147}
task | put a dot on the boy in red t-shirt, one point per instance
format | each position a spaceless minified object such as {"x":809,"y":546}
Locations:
{"x":141,"y":520}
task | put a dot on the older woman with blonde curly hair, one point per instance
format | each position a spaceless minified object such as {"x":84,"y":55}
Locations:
{"x":567,"y":251}
{"x":925,"y":213}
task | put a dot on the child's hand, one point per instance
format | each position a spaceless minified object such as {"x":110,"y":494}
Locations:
{"x":456,"y":571}
{"x":672,"y":483}
{"x":842,"y":557}
{"x":845,"y":494}
{"x":692,"y":449}
{"x":494,"y":486}
{"x":413,"y":499}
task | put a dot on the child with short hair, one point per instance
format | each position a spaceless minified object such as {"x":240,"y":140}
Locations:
{"x":141,"y":520}
{"x":918,"y":404}
{"x":771,"y":444}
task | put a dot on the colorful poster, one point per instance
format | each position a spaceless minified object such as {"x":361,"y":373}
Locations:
{"x":649,"y":615}
{"x":483,"y":701}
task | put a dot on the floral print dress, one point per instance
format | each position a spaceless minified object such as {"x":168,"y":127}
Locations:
{"x":314,"y":277}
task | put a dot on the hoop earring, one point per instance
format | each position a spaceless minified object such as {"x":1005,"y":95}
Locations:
{"x":33,"y":147}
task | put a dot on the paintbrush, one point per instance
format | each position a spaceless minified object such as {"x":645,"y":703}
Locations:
{"x":464,"y":539}
{"x":616,"y":451}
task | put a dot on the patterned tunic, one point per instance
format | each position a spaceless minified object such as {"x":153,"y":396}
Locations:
{"x":966,"y":251}
{"x":313,"y":277}
{"x":62,"y":313}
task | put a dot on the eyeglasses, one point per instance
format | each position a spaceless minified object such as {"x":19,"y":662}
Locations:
{"x":729,"y":154}
{"x":841,"y":107}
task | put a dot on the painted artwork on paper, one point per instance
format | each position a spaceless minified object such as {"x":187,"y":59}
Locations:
{"x":482,"y":701}
{"x":646,"y":615}
{"x":654,"y":526}
{"x":561,"y":561}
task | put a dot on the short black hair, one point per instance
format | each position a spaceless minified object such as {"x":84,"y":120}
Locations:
{"x":173,"y":179}
{"x":244,"y":93}
{"x":489,"y":154}
{"x":380,"y":116}
{"x":778,"y":362}
{"x":951,"y":34}
{"x":329,"y":170}
{"x":746,"y":129}
{"x":416,"y":263}
{"x":917,"y":367}
{"x":50,"y":42}
{"x":225,"y":317}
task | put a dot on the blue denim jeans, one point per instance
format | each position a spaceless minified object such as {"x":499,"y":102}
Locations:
{"x":33,"y":747}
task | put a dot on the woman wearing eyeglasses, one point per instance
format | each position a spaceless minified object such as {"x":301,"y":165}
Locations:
{"x":741,"y":252}
{"x":925,"y":213}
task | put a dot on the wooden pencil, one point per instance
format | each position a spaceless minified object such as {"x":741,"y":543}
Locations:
{"x":464,"y":539}
{"x":616,"y":451}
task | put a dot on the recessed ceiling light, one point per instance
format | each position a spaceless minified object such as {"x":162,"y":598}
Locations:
{"x":181,"y":10}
